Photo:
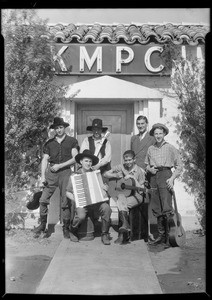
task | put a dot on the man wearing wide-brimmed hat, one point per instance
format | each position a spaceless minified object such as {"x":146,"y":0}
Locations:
{"x":58,"y":155}
{"x":98,"y":141}
{"x":161,"y":158}
{"x":87,"y":160}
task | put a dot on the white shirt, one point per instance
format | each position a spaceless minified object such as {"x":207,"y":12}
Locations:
{"x":142,"y":136}
{"x":106,"y":159}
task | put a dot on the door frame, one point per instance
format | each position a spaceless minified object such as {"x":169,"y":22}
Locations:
{"x":103,"y":105}
{"x":125,"y":133}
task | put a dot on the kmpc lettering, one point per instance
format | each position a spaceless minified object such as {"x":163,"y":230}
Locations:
{"x":109,"y":59}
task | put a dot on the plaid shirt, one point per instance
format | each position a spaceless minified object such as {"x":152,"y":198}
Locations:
{"x":164,"y":156}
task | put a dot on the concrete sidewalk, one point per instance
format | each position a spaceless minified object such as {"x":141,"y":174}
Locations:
{"x":91,"y":268}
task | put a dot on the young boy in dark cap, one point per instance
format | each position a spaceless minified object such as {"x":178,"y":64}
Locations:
{"x":160,"y":159}
{"x":59,"y":153}
{"x":87,"y":160}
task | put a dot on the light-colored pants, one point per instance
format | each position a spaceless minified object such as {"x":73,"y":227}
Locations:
{"x":103,"y":210}
{"x":125,"y":203}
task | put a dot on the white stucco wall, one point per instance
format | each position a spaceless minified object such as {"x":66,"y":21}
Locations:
{"x":185,"y":201}
{"x":169,"y":104}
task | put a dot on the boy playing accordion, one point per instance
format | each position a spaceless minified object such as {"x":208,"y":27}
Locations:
{"x":88,"y":160}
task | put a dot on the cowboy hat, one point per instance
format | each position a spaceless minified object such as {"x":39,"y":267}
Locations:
{"x":159,"y":125}
{"x":34,"y":203}
{"x":87,"y":153}
{"x":97,"y":123}
{"x":58,"y":122}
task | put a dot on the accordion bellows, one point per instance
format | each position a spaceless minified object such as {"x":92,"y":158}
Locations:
{"x":88,"y":188}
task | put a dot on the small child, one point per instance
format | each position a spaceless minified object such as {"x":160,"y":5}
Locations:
{"x":129,"y":169}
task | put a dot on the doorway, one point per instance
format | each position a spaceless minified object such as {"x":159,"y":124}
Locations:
{"x":117,"y":117}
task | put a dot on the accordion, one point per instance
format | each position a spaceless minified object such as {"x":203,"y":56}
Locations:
{"x":87,"y":188}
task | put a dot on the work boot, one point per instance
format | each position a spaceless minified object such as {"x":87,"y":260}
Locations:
{"x":105,"y":232}
{"x":41,"y":228}
{"x":105,"y":238}
{"x":125,"y":227}
{"x":120,"y":238}
{"x":126,"y":238}
{"x":161,"y":230}
{"x":66,"y":231}
{"x":73,"y":234}
{"x":166,"y":223}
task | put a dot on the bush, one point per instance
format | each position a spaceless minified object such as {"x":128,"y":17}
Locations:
{"x":31,"y":98}
{"x":188,"y":82}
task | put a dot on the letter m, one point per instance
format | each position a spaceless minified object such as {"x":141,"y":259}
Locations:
{"x":84,"y":57}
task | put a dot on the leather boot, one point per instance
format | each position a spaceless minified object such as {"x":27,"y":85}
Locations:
{"x":41,"y":228}
{"x":161,"y":230}
{"x":166,"y":223}
{"x":66,"y":227}
{"x":105,"y":232}
{"x":125,"y":227}
{"x":120,"y":238}
{"x":126,"y":238}
{"x":73,"y":234}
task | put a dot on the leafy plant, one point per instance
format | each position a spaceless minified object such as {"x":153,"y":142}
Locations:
{"x":31,"y":97}
{"x":188,"y":82}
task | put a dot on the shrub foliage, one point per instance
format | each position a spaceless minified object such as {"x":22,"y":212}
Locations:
{"x":188,"y":82}
{"x":31,"y":98}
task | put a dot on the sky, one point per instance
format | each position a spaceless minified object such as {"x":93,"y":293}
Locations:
{"x":126,"y":16}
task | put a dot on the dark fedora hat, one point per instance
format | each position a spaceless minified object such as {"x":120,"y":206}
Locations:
{"x":97,"y":123}
{"x":159,"y":125}
{"x":34,"y":203}
{"x":58,"y":122}
{"x":87,"y":153}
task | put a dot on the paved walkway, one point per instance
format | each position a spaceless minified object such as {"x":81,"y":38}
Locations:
{"x":91,"y":268}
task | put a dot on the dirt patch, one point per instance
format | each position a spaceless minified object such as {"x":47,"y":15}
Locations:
{"x":27,"y":260}
{"x":179,"y":270}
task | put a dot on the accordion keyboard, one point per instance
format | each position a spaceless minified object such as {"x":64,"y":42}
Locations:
{"x":87,"y":188}
{"x":81,"y":191}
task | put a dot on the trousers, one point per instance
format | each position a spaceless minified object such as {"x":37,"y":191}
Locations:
{"x":103,"y":209}
{"x":161,"y":197}
{"x":125,"y":203}
{"x":54,"y":180}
